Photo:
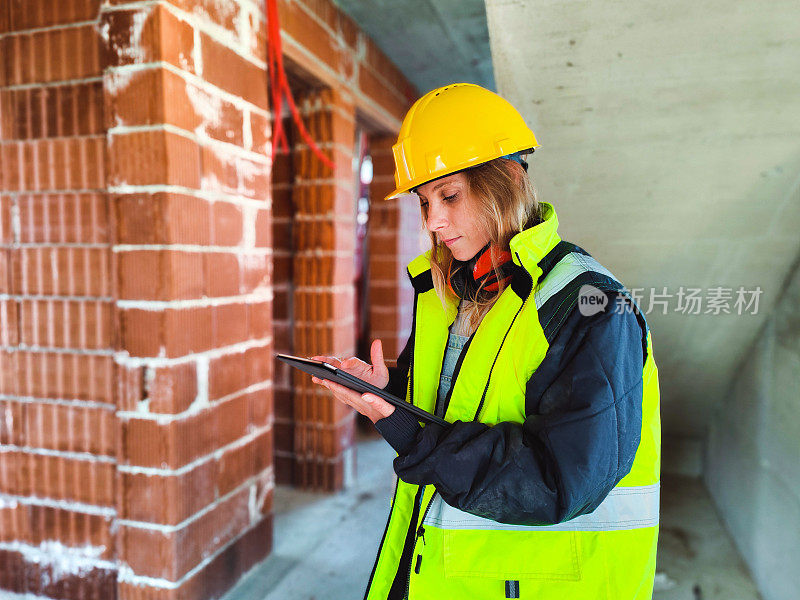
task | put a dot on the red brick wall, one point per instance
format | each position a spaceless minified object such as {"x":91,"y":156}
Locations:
{"x":393,"y":237}
{"x":324,"y":294}
{"x":314,"y":296}
{"x":136,"y":274}
{"x":188,"y":177}
{"x":136,"y":285}
{"x":313,"y":248}
{"x":328,"y":45}
{"x":282,"y":307}
{"x":58,"y":428}
{"x":354,"y":81}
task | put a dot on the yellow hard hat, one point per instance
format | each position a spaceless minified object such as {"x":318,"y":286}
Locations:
{"x":452,"y":128}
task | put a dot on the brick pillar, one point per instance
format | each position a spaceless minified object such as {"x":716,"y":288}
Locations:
{"x":135,"y":273}
{"x":189,"y":174}
{"x":394,"y":240}
{"x":57,"y":403}
{"x":282,"y":312}
{"x":324,"y":293}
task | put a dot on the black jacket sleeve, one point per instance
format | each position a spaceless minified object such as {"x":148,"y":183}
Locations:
{"x":400,"y":428}
{"x":582,"y":430}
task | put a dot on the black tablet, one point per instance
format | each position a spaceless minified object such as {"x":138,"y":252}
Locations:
{"x":323,"y":370}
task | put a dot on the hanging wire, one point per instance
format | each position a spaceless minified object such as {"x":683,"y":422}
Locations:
{"x":279,"y":86}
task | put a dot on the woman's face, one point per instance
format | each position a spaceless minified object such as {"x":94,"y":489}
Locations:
{"x":451,"y":215}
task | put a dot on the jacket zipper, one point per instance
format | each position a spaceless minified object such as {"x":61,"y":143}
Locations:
{"x":489,"y":378}
{"x":420,"y":534}
{"x":421,"y":529}
{"x":413,"y":351}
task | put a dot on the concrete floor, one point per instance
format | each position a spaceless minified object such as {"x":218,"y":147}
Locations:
{"x":325,"y":544}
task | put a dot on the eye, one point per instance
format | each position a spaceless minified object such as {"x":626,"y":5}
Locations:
{"x":449,"y":198}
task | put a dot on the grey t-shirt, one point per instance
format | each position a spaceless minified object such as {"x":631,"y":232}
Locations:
{"x":455,"y":343}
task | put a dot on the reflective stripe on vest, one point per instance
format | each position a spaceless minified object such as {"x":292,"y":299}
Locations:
{"x":623,"y":508}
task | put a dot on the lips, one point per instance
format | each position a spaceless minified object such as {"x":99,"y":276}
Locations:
{"x":451,"y":240}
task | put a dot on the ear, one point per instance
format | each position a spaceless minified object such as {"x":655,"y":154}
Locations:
{"x":515,"y":170}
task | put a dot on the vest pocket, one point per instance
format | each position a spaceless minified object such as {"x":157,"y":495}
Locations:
{"x":511,"y":554}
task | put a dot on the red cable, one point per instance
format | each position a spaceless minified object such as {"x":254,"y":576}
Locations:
{"x":278,"y":134}
{"x":280,"y":83}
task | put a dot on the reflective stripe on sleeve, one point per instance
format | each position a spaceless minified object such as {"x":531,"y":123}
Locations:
{"x":623,"y":508}
{"x":564,"y":271}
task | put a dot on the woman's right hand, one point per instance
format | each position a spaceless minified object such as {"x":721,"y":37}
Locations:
{"x":376,"y":373}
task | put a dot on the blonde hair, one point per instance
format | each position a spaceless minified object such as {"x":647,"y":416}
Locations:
{"x":505,"y":202}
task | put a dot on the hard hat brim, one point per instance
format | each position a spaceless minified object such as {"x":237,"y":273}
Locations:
{"x":408,"y":188}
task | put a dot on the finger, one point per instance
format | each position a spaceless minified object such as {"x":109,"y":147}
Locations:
{"x":341,"y":391}
{"x":349,"y":363}
{"x":331,"y":360}
{"x":356,"y":400}
{"x":379,"y":404}
{"x":376,"y":354}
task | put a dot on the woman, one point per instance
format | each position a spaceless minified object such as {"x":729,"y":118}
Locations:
{"x":545,"y":483}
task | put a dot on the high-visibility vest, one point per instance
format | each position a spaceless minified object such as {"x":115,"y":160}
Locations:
{"x":609,"y":553}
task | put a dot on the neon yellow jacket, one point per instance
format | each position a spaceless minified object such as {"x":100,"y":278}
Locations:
{"x":546,"y":485}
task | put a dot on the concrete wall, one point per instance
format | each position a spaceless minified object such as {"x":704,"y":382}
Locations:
{"x":753,"y":456}
{"x":670,"y":147}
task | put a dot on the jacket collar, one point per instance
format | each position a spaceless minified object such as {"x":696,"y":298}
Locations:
{"x":531,"y":245}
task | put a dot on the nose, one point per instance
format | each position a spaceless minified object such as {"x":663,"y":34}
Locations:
{"x":437,"y":219}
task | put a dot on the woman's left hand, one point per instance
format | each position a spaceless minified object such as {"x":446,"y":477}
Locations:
{"x":371,"y":406}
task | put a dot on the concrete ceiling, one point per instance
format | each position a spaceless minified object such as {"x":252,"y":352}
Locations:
{"x":434,"y":42}
{"x":670,"y":140}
